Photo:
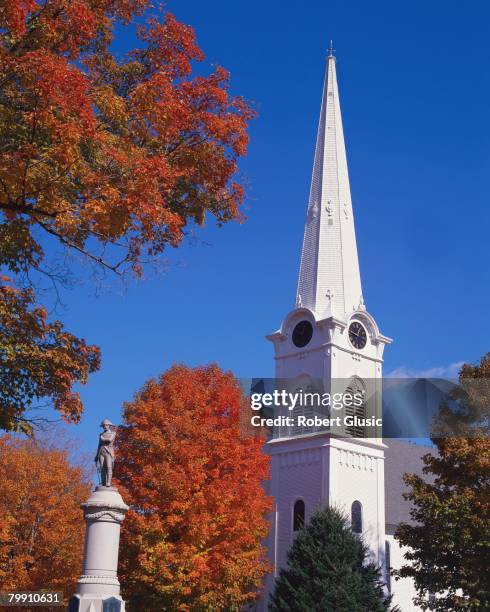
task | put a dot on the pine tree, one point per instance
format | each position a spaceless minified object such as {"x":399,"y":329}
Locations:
{"x":328,"y":571}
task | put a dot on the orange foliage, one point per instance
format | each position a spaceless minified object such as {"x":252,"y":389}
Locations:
{"x":192,"y":540}
{"x":38,"y":360}
{"x":100,"y":151}
{"x":41,"y":524}
{"x":111,"y":157}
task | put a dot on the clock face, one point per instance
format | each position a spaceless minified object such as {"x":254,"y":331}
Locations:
{"x":302,"y":333}
{"x":357,"y":335}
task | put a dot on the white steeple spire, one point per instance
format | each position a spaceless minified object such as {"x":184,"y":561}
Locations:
{"x":329,"y":279}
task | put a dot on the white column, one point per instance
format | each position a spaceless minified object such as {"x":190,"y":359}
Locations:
{"x":98,"y":587}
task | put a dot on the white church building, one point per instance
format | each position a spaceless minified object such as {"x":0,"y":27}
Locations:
{"x":331,"y":336}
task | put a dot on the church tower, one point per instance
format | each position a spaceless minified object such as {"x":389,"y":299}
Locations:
{"x":329,"y":340}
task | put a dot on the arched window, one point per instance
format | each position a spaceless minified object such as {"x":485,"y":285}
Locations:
{"x":298,"y":515}
{"x":356,"y":517}
{"x":388,"y":566}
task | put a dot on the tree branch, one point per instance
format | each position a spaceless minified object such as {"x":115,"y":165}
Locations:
{"x":72,"y":245}
{"x":28,"y":210}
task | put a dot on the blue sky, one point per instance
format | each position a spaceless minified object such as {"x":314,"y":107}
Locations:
{"x":414,"y":86}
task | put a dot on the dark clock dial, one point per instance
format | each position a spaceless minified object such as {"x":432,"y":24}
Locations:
{"x":357,"y":335}
{"x":302,"y":333}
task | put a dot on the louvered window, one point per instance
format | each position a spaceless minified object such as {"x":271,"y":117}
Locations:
{"x":354,"y":410}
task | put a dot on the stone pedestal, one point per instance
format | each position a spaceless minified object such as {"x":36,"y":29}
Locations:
{"x":98,"y":587}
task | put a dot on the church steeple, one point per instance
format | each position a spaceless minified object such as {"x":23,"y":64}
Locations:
{"x":329,"y":279}
{"x":328,"y":343}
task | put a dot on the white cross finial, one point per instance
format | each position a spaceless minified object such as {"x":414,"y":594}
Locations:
{"x":331,"y":50}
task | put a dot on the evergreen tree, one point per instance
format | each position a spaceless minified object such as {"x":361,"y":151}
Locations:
{"x":328,"y":571}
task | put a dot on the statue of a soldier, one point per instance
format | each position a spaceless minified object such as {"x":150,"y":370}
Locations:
{"x":105,"y":453}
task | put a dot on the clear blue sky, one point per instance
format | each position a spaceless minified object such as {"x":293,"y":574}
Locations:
{"x":415,"y":88}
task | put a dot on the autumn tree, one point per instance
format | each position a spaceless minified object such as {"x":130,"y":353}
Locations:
{"x":328,"y":568}
{"x":192,"y":539}
{"x":112,"y":158}
{"x":38,"y":359}
{"x":41,"y":526}
{"x":449,"y":541}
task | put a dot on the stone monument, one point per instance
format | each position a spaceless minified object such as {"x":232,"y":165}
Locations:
{"x":104,"y":511}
